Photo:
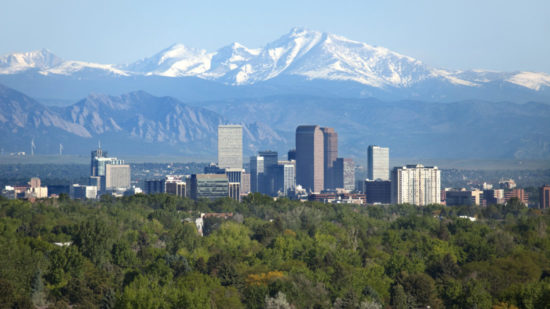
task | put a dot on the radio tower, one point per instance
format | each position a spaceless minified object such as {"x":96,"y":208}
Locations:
{"x":33,"y":147}
{"x":60,"y":149}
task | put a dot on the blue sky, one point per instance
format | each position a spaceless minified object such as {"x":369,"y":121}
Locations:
{"x":486,"y":34}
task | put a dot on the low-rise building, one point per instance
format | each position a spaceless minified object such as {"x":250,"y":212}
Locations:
{"x":463,"y":197}
{"x":210,"y":186}
{"x":83,"y":192}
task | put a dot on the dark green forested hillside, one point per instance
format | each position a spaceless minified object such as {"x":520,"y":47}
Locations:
{"x":141,"y":252}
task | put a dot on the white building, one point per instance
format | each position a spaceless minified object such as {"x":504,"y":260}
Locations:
{"x":378,"y":163}
{"x":416,"y":184}
{"x":117,"y":176}
{"x":83,"y":192}
{"x":230,"y":146}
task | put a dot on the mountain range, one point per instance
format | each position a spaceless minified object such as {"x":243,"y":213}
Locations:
{"x":302,"y":62}
{"x":139,"y":123}
{"x":133,"y":123}
{"x":172,"y":102}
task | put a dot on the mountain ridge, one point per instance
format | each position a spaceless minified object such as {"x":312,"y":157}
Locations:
{"x":303,"y":53}
{"x":136,"y":121}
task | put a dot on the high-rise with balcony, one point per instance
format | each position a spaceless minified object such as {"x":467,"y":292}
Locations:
{"x":416,"y":184}
{"x":378,"y":163}
{"x":310,"y":158}
{"x":230,"y":146}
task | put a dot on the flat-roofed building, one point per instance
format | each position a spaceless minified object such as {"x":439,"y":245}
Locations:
{"x":463,"y":197}
{"x":83,"y":192}
{"x":518,"y":193}
{"x":310,"y":158}
{"x":178,"y":188}
{"x":117,"y":176}
{"x":416,"y":184}
{"x":378,"y":191}
{"x":378,"y":162}
{"x":234,"y":190}
{"x":330,"y":154}
{"x":544,"y":197}
{"x":210,"y":186}
{"x":286,"y":177}
{"x":155,"y":186}
{"x":493,"y":196}
{"x":245,"y":184}
{"x":344,"y":174}
{"x":268,"y":183}
{"x":230,"y":146}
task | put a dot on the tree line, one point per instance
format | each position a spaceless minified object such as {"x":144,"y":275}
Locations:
{"x":144,"y":251}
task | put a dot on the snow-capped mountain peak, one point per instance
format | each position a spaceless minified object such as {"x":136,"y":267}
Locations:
{"x":302,"y":53}
{"x":176,"y":60}
{"x":39,"y":59}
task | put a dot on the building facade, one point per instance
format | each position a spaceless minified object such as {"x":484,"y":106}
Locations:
{"x":310,"y":158}
{"x":344,"y":174}
{"x":544,"y":197}
{"x":230,"y":146}
{"x":463,"y":197}
{"x":286,"y":177}
{"x":378,"y":163}
{"x":210,"y":186}
{"x":416,"y":184}
{"x":330,"y":154}
{"x":256,"y":173}
{"x":378,"y":191}
{"x":245,"y":184}
{"x":269,"y":180}
{"x":77,"y":191}
{"x":493,"y":196}
{"x":155,"y":186}
{"x":117,"y":176}
{"x":518,"y":193}
{"x":234,"y":190}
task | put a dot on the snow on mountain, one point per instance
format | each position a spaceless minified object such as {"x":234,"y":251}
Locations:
{"x":309,"y":54}
{"x":47,"y":63}
{"x":530,"y":80}
{"x":17,"y":62}
{"x":176,"y":60}
{"x":71,"y":67}
{"x":229,"y":58}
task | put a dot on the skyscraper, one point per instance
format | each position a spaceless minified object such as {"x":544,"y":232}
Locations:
{"x":117,"y":176}
{"x":96,"y":154}
{"x":256,"y":173}
{"x":330,"y":154}
{"x":344,"y":174}
{"x":416,"y":184}
{"x":230,"y":146}
{"x":310,"y":158}
{"x":379,"y":163}
{"x":271,"y":159}
{"x":286,"y":177}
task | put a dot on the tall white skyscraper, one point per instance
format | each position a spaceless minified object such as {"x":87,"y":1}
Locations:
{"x":230,"y":146}
{"x":416,"y":184}
{"x":379,"y":163}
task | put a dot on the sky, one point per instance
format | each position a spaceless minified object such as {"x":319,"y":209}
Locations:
{"x":499,"y":35}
